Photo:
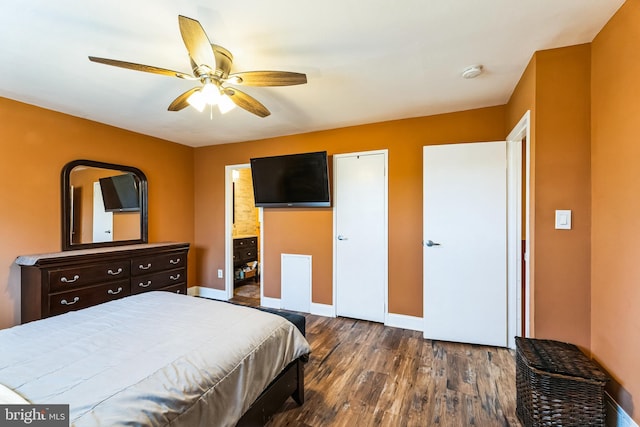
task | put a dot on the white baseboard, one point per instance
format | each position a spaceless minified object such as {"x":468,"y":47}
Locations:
{"x":405,"y":322}
{"x":201,"y":291}
{"x":616,"y":416}
{"x":325,"y":310}
{"x":271,"y":302}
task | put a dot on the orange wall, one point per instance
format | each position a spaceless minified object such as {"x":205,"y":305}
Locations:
{"x":615,"y":265}
{"x":555,"y":87}
{"x":36,"y":144}
{"x":309,"y":231}
{"x":562,"y":181}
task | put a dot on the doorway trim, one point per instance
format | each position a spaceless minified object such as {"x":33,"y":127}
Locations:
{"x":520,"y":132}
{"x":384,"y":152}
{"x":228,"y":229}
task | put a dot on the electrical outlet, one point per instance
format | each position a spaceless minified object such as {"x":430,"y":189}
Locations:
{"x":220,"y":273}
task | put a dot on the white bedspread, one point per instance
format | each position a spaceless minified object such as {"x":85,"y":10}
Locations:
{"x":156,"y":358}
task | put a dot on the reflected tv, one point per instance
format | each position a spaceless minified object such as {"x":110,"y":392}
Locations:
{"x":120,"y":193}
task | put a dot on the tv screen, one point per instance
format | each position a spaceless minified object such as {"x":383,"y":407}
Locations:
{"x":120,"y":193}
{"x":294,"y":180}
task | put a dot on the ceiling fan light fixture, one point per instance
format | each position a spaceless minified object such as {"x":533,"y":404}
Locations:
{"x":197,"y":101}
{"x":210,"y":93}
{"x":225,"y":104}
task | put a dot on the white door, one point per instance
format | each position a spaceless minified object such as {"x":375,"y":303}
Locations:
{"x":465,"y":241}
{"x":360,"y":200}
{"x":102,"y":220}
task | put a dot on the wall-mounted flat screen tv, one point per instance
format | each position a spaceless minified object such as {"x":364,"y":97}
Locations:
{"x":120,"y":193}
{"x":294,"y":180}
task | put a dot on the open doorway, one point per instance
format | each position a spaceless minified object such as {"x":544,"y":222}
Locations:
{"x":243,"y":237}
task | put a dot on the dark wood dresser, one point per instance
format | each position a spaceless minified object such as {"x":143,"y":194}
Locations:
{"x":60,"y":282}
{"x":245,"y":250}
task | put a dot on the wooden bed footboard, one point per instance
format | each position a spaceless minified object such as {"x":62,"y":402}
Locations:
{"x":290,"y":382}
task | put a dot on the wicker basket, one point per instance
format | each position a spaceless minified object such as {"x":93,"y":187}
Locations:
{"x":557,"y":385}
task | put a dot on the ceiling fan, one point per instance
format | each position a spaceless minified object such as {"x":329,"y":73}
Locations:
{"x":211,"y":65}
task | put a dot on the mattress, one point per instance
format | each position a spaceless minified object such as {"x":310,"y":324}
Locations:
{"x":156,"y":358}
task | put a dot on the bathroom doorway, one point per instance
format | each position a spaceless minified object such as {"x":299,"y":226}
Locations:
{"x":243,"y":271}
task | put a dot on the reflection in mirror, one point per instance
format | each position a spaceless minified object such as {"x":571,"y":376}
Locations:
{"x":102,"y":205}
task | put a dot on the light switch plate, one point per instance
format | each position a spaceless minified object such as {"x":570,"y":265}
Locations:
{"x":563,"y":219}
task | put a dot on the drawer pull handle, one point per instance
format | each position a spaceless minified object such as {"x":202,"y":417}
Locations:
{"x":112,"y":292}
{"x":114,"y":273}
{"x":144,"y":267}
{"x":176,"y":277}
{"x":174,"y":262}
{"x":145,"y":285}
{"x":65,"y":280}
{"x":65,"y":302}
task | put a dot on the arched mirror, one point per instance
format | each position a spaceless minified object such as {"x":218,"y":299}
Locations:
{"x":103,"y":204}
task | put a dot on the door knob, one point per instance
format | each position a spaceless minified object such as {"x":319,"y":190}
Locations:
{"x":341,"y":237}
{"x":431,"y":243}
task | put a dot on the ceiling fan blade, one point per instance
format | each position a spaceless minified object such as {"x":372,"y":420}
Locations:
{"x":247,"y":102}
{"x":197,"y":43}
{"x":141,"y":67}
{"x":267,"y":78}
{"x":181,"y":101}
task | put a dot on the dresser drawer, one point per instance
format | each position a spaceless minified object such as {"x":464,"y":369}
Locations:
{"x":247,"y":255}
{"x":78,"y":276}
{"x":76,"y":299}
{"x":245,"y":242}
{"x":149,"y":264}
{"x":159,"y":280}
{"x":176,"y":289}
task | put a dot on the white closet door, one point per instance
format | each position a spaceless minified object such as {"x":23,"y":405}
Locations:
{"x":360,"y":200}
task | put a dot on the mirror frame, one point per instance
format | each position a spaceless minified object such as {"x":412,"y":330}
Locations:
{"x":66,"y":205}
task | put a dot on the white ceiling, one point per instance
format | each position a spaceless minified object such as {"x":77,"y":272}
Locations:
{"x":366,"y":60}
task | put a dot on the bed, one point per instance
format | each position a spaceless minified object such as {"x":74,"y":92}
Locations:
{"x":157,"y":359}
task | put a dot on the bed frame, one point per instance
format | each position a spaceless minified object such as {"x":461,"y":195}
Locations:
{"x":290,"y":382}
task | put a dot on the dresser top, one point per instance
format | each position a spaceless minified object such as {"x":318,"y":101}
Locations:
{"x":29,"y":260}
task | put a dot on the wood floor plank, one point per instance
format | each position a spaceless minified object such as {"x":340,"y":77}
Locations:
{"x":365,"y":374}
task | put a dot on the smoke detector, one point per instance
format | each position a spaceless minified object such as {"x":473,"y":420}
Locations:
{"x":472,"y":71}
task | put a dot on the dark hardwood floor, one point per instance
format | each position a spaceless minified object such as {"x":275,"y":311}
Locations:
{"x":365,"y":374}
